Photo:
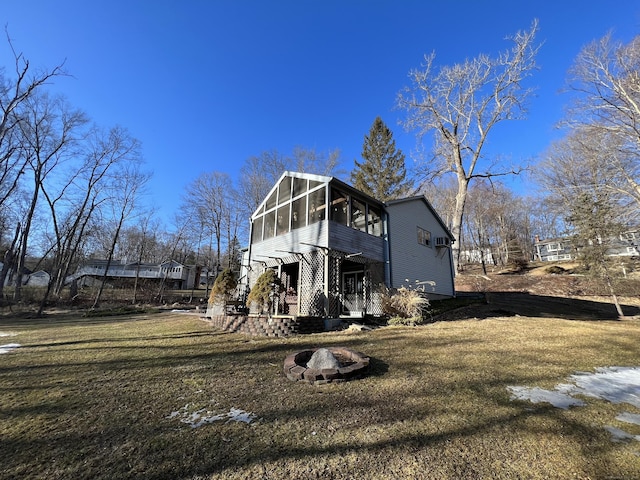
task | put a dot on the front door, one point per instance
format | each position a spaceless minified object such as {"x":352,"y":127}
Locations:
{"x":353,"y":293}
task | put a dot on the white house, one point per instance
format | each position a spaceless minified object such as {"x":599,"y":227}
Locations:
{"x":335,"y":248}
{"x":174,"y":274}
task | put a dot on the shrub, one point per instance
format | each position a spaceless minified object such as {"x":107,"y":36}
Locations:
{"x":555,"y":269}
{"x":405,"y":306}
{"x":266,"y":290}
{"x":224,"y":287}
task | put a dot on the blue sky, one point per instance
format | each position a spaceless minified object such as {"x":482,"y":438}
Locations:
{"x":206,"y":84}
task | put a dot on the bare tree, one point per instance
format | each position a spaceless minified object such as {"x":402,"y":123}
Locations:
{"x":581,"y":162}
{"x":606,"y":81}
{"x":125,"y":187}
{"x":73,"y":205}
{"x":580,"y":190}
{"x":461,"y":104}
{"x":308,"y":160}
{"x":209,"y":201}
{"x":259,"y":173}
{"x":14,"y":91}
{"x":50,"y":131}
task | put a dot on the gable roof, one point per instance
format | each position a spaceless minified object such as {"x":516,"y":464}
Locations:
{"x":325,"y":179}
{"x":422,"y":198}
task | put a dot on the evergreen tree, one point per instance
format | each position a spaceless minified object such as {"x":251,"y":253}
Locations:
{"x":594,"y":218}
{"x":382,"y":172}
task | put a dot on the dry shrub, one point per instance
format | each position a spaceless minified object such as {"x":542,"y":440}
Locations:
{"x":405,"y":306}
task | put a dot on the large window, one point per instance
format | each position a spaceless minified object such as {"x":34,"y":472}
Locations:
{"x":358,"y":215}
{"x":284,"y":190}
{"x":282,"y":219}
{"x":339,"y":206}
{"x":317,"y":206}
{"x":269,"y":224}
{"x":298,"y":202}
{"x":256,"y":232}
{"x":299,"y":213}
{"x":374,"y":223}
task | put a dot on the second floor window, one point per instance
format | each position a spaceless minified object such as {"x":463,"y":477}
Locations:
{"x":424,"y":237}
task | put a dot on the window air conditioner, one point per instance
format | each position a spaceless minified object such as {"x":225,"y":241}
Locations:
{"x":443,"y":241}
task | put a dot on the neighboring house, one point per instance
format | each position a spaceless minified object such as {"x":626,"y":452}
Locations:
{"x":625,"y":245}
{"x":38,"y":279}
{"x":553,"y":250}
{"x":335,"y":248}
{"x":175,"y":275}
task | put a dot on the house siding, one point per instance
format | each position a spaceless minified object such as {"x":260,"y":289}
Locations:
{"x":349,"y":240}
{"x":412,"y":261}
{"x":300,"y":240}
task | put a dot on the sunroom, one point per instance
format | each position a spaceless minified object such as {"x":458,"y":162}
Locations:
{"x":325,"y":240}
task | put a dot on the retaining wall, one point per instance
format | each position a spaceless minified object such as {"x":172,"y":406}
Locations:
{"x":281,"y":326}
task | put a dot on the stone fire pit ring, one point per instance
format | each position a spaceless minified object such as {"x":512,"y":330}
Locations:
{"x":352,"y":365}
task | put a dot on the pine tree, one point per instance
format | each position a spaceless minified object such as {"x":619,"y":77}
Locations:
{"x":594,"y":219}
{"x":382,"y":173}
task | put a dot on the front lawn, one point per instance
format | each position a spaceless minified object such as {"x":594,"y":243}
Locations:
{"x":164,"y":396}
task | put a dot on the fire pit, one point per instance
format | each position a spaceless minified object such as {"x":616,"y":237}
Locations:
{"x":324,"y":365}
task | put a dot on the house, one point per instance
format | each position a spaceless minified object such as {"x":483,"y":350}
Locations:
{"x":336,"y":249}
{"x":627,"y":244}
{"x":553,"y":250}
{"x":175,"y":275}
{"x":39,"y":278}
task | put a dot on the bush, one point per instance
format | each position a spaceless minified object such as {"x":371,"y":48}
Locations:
{"x":266,"y":290}
{"x":224,"y":287}
{"x":405,"y":306}
{"x":555,"y":270}
{"x":411,"y":321}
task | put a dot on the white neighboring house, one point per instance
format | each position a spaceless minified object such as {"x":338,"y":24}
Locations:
{"x":30,"y":279}
{"x":38,"y":279}
{"x":335,"y":248}
{"x":176,"y":275}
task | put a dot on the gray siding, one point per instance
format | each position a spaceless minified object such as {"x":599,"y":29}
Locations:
{"x":322,"y":234}
{"x":300,"y":240}
{"x":349,"y":240}
{"x":412,"y":261}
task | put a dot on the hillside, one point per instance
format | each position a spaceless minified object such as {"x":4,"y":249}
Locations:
{"x":536,"y":292}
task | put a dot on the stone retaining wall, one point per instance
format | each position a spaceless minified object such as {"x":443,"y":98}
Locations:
{"x":264,"y":327}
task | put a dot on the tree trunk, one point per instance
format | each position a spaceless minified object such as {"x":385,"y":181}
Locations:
{"x":456,"y":226}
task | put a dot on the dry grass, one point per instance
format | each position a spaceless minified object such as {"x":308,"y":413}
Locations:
{"x":89,"y":398}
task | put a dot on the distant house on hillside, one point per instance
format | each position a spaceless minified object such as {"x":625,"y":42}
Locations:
{"x":335,"y":248}
{"x":625,"y":245}
{"x":553,"y":249}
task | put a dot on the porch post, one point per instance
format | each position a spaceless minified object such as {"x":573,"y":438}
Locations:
{"x":326,"y":283}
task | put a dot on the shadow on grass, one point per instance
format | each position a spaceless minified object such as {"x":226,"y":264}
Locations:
{"x":506,"y":304}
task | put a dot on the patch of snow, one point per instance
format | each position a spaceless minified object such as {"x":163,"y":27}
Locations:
{"x":618,"y":435}
{"x":237,"y":415}
{"x":538,"y":395}
{"x":8,"y":347}
{"x":203,"y":416}
{"x":629,"y":418}
{"x":614,"y":384}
